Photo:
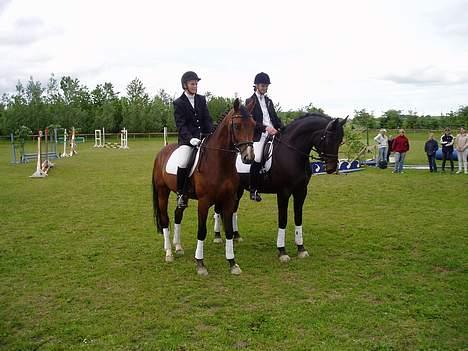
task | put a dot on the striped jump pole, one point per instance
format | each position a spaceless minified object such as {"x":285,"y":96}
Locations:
{"x":39,"y":172}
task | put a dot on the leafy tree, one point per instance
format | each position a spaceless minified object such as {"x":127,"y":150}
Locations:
{"x":391,"y":119}
{"x":364,"y":119}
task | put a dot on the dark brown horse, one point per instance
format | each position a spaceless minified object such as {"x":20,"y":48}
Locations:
{"x":214,"y":181}
{"x":290,"y":171}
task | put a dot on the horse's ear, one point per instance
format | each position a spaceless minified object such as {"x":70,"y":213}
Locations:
{"x":251,"y":105}
{"x":236,"y":105}
{"x":343,"y":121}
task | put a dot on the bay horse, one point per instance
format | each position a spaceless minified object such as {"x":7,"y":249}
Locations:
{"x":290,"y":172}
{"x":214,"y":181}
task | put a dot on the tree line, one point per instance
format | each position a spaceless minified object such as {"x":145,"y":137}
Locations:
{"x":66,"y":103}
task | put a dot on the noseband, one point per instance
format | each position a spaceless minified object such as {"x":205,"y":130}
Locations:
{"x":238,"y":145}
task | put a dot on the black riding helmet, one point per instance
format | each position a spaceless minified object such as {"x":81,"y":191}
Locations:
{"x":262,"y":78}
{"x":189,"y":75}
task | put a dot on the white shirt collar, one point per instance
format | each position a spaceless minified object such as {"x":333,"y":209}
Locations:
{"x":259,"y":96}
{"x":190,"y":96}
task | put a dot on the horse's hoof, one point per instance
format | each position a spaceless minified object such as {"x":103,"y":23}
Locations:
{"x":217,"y":240}
{"x":180,"y":252}
{"x":236,"y":269}
{"x":169,"y":259}
{"x":239,"y":239}
{"x":303,"y":254}
{"x":284,"y":258}
{"x":202,"y":271}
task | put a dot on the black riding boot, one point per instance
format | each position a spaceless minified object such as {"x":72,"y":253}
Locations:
{"x":181,"y":188}
{"x":254,"y":180}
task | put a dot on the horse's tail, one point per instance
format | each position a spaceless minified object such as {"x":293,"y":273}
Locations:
{"x":156,"y":212}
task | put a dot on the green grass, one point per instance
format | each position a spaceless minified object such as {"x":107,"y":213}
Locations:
{"x":81,"y":266}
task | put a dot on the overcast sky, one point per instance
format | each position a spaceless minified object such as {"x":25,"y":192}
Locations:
{"x":339,"y":55}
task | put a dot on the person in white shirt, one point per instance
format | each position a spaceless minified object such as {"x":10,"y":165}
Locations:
{"x":267,"y":123}
{"x":382,"y":145}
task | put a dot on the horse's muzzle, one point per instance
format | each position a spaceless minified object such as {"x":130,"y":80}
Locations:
{"x":331,"y":166}
{"x":247,"y":155}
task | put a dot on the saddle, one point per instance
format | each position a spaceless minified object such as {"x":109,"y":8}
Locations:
{"x":267,"y":153}
{"x":265,"y":161}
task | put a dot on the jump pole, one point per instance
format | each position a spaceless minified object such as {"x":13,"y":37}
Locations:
{"x":39,"y":173}
{"x":73,"y":143}
{"x":124,"y":139}
{"x":65,"y":135}
{"x":97,"y":138}
{"x":165,"y":136}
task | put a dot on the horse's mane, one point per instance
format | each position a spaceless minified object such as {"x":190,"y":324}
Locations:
{"x":242,"y":110}
{"x":298,"y":120}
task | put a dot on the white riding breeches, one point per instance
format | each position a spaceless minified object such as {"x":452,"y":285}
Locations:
{"x":185,"y":153}
{"x":258,"y":147}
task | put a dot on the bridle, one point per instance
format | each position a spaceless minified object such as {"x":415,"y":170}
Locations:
{"x":323,"y":156}
{"x":236,"y":145}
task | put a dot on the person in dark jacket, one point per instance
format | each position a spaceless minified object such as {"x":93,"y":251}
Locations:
{"x":193,"y":122}
{"x":447,"y":140}
{"x":267,"y":123}
{"x":430,"y":148}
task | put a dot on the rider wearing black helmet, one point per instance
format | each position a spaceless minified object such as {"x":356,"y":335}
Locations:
{"x":267,"y":123}
{"x":193,"y":122}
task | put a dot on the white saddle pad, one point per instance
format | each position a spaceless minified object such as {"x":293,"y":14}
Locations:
{"x":176,"y":159}
{"x":245,"y":168}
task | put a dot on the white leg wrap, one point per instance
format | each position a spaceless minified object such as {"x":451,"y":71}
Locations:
{"x":298,"y":235}
{"x":176,"y":234}
{"x":199,"y":251}
{"x":234,"y":222}
{"x":217,"y":223}
{"x":229,"y":249}
{"x":167,"y":240}
{"x":281,"y":236}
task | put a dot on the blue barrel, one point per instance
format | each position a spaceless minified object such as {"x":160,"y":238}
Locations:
{"x":343,"y":165}
{"x":354,"y":165}
{"x":317,"y":167}
{"x":439,"y":155}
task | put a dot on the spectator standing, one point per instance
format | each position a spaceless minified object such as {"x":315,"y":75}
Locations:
{"x":446,"y":140}
{"x":430,"y":148}
{"x":400,"y":147}
{"x":461,"y":145}
{"x":382,"y":147}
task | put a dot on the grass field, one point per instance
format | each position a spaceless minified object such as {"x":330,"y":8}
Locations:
{"x":82,"y":268}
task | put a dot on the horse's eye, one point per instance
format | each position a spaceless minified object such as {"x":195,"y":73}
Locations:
{"x":237,"y":126}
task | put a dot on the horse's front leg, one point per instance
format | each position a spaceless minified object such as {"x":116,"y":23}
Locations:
{"x":217,"y":224}
{"x":217,"y":221}
{"x":178,"y":216}
{"x":235,"y":228}
{"x":203,"y":207}
{"x":227,"y":219}
{"x":299,"y":197}
{"x":282,"y":200}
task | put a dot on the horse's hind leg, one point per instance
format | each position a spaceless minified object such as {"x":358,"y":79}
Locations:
{"x":163,"y":197}
{"x":299,"y":197}
{"x":178,"y":215}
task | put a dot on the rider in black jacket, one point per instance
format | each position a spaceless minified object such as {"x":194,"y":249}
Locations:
{"x":267,"y":123}
{"x":193,"y":122}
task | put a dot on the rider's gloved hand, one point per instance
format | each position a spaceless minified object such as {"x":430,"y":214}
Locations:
{"x":195,"y":141}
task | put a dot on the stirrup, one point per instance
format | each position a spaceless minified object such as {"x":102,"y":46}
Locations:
{"x":181,"y":201}
{"x":255,"y":196}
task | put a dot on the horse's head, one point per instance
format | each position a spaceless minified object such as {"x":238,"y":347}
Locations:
{"x":330,"y":142}
{"x":242,"y":127}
